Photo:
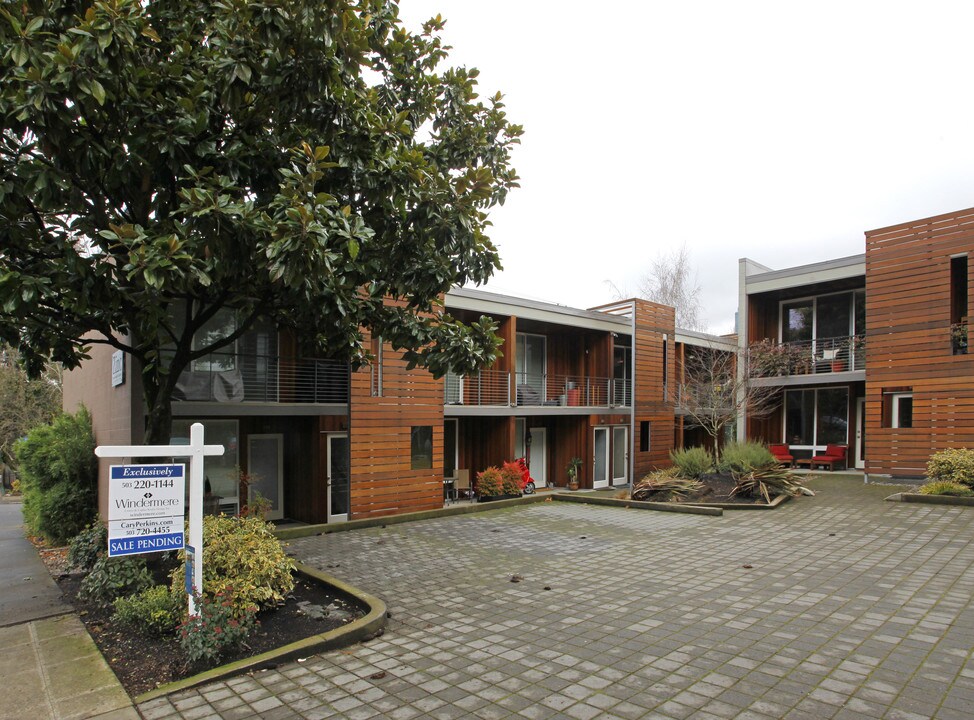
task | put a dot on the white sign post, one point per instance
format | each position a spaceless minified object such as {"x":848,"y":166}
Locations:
{"x":195,"y":451}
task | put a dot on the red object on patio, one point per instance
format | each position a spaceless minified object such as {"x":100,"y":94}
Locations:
{"x":833,"y":454}
{"x":782,"y":453}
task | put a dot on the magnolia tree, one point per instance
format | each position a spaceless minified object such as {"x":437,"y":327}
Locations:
{"x":310,"y":163}
{"x":713,"y":393}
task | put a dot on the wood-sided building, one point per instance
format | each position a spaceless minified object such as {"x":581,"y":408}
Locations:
{"x":869,"y":351}
{"x":325,"y":443}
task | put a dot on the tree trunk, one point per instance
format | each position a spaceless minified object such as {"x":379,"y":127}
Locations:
{"x":158,"y":387}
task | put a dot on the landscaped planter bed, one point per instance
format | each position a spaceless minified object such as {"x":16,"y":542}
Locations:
{"x":934,"y":499}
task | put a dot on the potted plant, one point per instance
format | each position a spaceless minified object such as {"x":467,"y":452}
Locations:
{"x":573,"y":467}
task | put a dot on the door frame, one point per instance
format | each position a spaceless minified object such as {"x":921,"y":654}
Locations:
{"x":605,"y":481}
{"x":272,"y":514}
{"x":329,"y":516}
{"x":625,"y":456}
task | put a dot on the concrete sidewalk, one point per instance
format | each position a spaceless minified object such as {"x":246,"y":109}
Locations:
{"x":50,"y":666}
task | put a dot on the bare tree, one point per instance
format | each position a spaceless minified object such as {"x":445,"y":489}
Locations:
{"x":672,"y":281}
{"x":712,"y":394}
{"x":25,"y":403}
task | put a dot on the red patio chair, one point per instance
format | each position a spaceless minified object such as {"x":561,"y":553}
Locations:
{"x":782,"y":453}
{"x":833,"y":454}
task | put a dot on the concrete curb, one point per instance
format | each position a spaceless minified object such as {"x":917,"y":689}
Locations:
{"x":932,"y":499}
{"x":779,"y":500}
{"x":357,"y":631}
{"x":695,"y":509}
{"x":449,"y":510}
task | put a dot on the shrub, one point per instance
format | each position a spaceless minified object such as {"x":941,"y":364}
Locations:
{"x":112,"y":577}
{"x":692,"y":462}
{"x":511,"y":477}
{"x":665,"y":484}
{"x":945,"y":487}
{"x":156,"y":611}
{"x":59,"y":477}
{"x":87,"y":546}
{"x":742,"y":457}
{"x":241,"y":552}
{"x":489,"y":482}
{"x":768,"y":482}
{"x":954,"y":465}
{"x":222,"y":625}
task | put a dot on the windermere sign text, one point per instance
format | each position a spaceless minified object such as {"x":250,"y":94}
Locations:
{"x":146,"y":508}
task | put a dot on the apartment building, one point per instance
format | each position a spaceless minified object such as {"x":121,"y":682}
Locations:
{"x":324,"y":443}
{"x":869,"y":351}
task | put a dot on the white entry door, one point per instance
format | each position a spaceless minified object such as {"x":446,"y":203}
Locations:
{"x":265,"y":465}
{"x":539,"y":456}
{"x":338,"y":477}
{"x":620,"y":455}
{"x":600,"y":464}
{"x":860,"y":461}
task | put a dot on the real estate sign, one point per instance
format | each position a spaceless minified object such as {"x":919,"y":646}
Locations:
{"x":146,"y":508}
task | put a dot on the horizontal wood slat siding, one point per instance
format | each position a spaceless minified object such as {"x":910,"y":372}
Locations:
{"x":382,"y":479}
{"x":908,"y":313}
{"x":651,"y":400}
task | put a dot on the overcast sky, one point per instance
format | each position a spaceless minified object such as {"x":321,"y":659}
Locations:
{"x":779,"y":131}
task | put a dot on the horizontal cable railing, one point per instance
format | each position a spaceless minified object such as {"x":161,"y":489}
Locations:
{"x":487,"y":388}
{"x":233,"y":377}
{"x":767,"y":358}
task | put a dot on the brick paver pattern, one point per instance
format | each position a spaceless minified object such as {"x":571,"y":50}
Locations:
{"x":837,"y":606}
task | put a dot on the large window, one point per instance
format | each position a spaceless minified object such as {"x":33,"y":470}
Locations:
{"x":531,"y":368}
{"x":817,"y":417}
{"x":221,"y":470}
{"x":421,"y":447}
{"x":823,"y":317}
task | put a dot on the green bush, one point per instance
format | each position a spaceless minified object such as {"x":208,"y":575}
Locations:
{"x":156,"y":611}
{"x":221,"y":626}
{"x":945,"y":487}
{"x":241,"y":552}
{"x":692,"y":462}
{"x":112,"y":577}
{"x":742,"y":457}
{"x":59,"y":477}
{"x":87,"y":546}
{"x":489,"y":482}
{"x":954,"y":465}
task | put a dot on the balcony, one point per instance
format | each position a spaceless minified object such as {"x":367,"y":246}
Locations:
{"x":822,"y":356}
{"x":263,"y":379}
{"x":494,"y":388}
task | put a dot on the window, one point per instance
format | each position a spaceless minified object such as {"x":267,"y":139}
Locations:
{"x":817,"y":417}
{"x":376,"y":367}
{"x":644,"y":436}
{"x":222,"y":471}
{"x":622,"y":374}
{"x":450,"y":428}
{"x":531,"y":367}
{"x":421,"y":447}
{"x":902,"y":410}
{"x":958,"y":289}
{"x":221,"y":325}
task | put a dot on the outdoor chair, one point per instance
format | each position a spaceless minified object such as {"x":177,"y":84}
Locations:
{"x":782,"y":453}
{"x":834,"y":454}
{"x":462,"y":484}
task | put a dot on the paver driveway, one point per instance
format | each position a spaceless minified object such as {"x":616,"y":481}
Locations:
{"x":852,"y":608}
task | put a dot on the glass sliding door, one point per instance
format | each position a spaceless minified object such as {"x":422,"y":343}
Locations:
{"x":600,"y":466}
{"x":816,"y":417}
{"x":338,"y":477}
{"x":531,"y":368}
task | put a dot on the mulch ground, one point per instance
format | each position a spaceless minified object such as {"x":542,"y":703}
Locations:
{"x":143,"y":663}
{"x":717,"y":488}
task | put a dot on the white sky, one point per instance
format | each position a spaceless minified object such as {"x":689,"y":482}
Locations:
{"x":779,"y":131}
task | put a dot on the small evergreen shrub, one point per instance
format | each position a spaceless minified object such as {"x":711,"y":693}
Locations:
{"x":511,"y":476}
{"x":945,"y":487}
{"x":222,"y":625}
{"x":743,"y":457}
{"x":155,"y":611}
{"x":692,"y":462}
{"x":241,"y":552}
{"x":953,"y":465}
{"x":59,"y":477}
{"x":489,"y":482}
{"x":112,"y":577}
{"x":87,"y":546}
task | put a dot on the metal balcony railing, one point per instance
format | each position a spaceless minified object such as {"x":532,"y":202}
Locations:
{"x":807,"y":357}
{"x":485,"y":388}
{"x":495,"y":388}
{"x":232,"y":377}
